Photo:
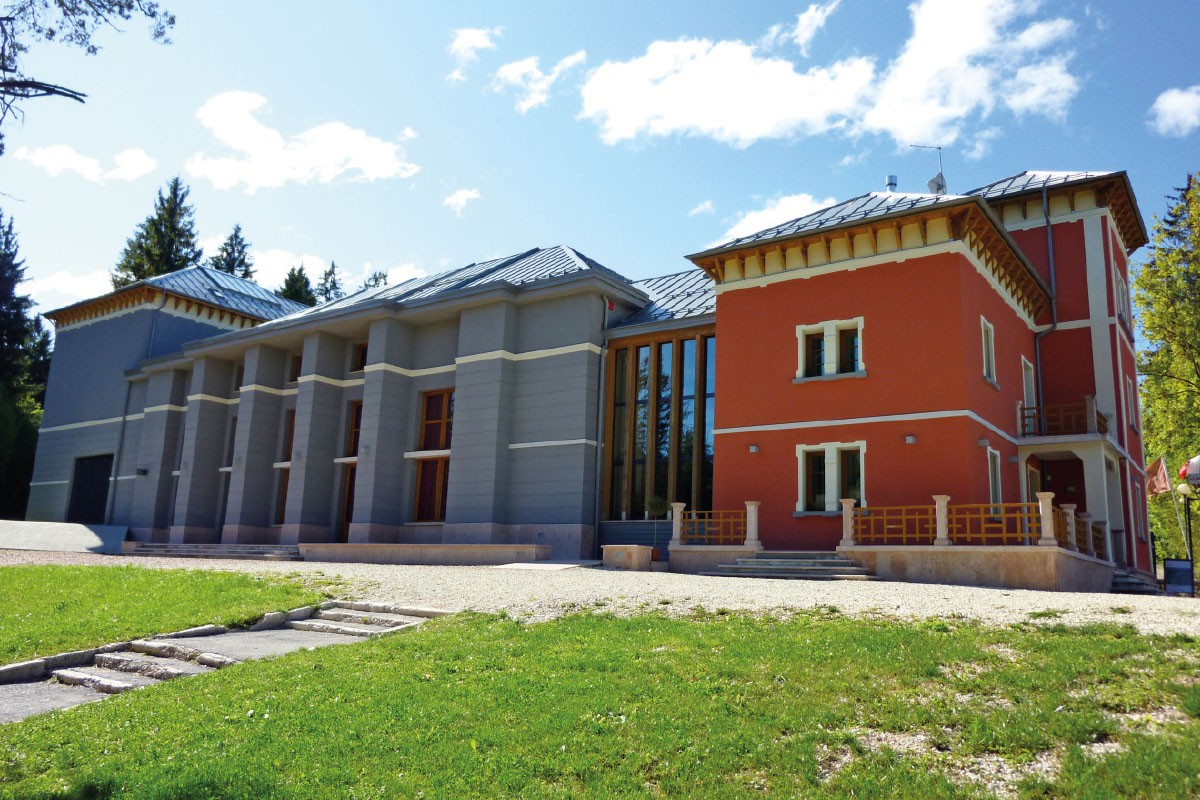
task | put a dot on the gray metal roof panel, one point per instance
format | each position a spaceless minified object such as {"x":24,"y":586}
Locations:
{"x":678,"y":296}
{"x":226,"y":291}
{"x":856,"y":209}
{"x":1032,"y":180}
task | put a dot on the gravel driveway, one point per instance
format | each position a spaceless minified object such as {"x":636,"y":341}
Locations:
{"x":540,"y":593}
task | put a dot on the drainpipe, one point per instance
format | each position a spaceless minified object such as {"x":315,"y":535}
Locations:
{"x":1037,"y":338}
{"x":112,"y":494}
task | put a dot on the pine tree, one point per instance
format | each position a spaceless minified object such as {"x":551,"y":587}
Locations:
{"x":297,"y":287}
{"x":15,"y":324}
{"x":164,"y":243}
{"x":234,"y":256}
{"x":330,"y":285}
{"x":1167,"y":293}
{"x":375,"y":280}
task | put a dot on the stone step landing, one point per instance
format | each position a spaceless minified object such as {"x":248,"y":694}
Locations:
{"x":816,"y":565}
{"x":252,"y":552}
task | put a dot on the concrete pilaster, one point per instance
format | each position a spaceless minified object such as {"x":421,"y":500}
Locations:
{"x":166,"y":402}
{"x":381,"y":496}
{"x":252,"y":480}
{"x":320,"y":424}
{"x":196,"y":495}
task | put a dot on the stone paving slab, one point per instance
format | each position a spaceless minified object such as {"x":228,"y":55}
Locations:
{"x":21,"y":700}
{"x":246,"y":645}
{"x":66,"y":537}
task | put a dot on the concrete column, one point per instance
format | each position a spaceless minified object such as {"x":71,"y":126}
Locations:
{"x":1046,"y":518}
{"x":166,"y":403}
{"x":752,"y":524}
{"x":677,"y":523}
{"x":381,"y":497}
{"x":847,"y":522}
{"x":1069,"y":508}
{"x":252,"y":480}
{"x":941,"y":518}
{"x":197,"y":493}
{"x":1089,"y":413}
{"x":320,"y":431}
{"x":483,"y":391}
{"x":1106,"y":537}
{"x":1085,"y":523}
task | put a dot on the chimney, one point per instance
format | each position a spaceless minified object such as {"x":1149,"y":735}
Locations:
{"x":891,"y":183}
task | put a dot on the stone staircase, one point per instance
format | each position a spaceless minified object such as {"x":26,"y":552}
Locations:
{"x":252,"y":552}
{"x":809,"y":565}
{"x":71,"y":679}
{"x":1125,"y":582}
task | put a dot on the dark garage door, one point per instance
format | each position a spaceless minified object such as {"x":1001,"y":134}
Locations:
{"x":89,"y":489}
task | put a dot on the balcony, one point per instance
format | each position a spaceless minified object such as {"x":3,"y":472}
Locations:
{"x":1062,"y":419}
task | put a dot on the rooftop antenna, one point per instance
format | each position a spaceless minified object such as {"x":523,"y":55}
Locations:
{"x":936,"y":184}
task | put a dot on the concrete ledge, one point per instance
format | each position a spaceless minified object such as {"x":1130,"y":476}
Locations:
{"x":636,"y":557}
{"x":426,"y":554}
{"x":1010,"y":567}
{"x":696,"y":558}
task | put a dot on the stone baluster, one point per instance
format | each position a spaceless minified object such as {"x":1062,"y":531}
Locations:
{"x":1046,"y":518}
{"x":1072,"y":538}
{"x":677,"y":524}
{"x":847,"y":523}
{"x":941,"y":515}
{"x":752,"y":524}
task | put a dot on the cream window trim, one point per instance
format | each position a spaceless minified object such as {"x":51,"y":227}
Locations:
{"x":282,"y":465}
{"x":225,"y":469}
{"x":427,"y":454}
{"x":830,"y":331}
{"x":988,"y":334}
{"x":833,"y":476}
{"x":346,"y":460}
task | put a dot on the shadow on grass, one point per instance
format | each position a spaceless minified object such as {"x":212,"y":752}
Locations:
{"x":181,"y":788}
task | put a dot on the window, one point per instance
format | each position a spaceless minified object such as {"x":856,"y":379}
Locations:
{"x":1131,"y":403}
{"x":239,"y":375}
{"x":285,"y":457}
{"x":989,"y":350}
{"x":829,"y":473}
{"x":230,"y":442}
{"x":433,"y":474}
{"x":829,"y":349}
{"x":294,"y":372}
{"x":360,"y":358}
{"x":994,"y":493}
{"x":355,"y":427}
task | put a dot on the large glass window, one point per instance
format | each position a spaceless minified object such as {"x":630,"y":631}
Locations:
{"x":661,"y":396}
{"x":433,"y":474}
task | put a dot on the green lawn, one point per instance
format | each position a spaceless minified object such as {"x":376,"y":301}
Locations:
{"x":52,"y":609}
{"x":597,"y":706}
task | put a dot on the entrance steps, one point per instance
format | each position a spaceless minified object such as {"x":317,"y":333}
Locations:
{"x":253,"y":552}
{"x":808,"y":565}
{"x":1132,"y":583}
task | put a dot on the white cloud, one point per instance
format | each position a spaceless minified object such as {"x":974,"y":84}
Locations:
{"x":960,"y":63}
{"x":128,"y":165}
{"x":810,"y":22}
{"x":533,"y":84}
{"x":981,"y":144}
{"x":64,"y":288}
{"x":780,"y":210}
{"x":458,"y":200}
{"x":271,"y":265}
{"x":465,"y":47}
{"x":266,"y":159}
{"x":396,"y":273}
{"x":703,"y":208}
{"x":1176,"y":112}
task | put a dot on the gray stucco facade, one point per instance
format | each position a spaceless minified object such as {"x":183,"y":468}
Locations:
{"x":286,"y":432}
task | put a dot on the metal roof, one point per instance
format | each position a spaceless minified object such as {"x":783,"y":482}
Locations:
{"x":679,"y":296}
{"x":857,"y":209}
{"x":224,"y":290}
{"x":538,"y":264}
{"x":1032,"y":180}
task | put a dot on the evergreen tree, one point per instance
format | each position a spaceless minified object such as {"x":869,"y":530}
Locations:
{"x":375,"y":280}
{"x":164,"y":243}
{"x":15,"y":325}
{"x":233,"y":256}
{"x":1167,"y":292}
{"x":296,"y":286}
{"x":330,"y":285}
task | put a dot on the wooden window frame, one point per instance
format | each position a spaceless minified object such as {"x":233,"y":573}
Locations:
{"x":354,"y":411}
{"x":988,"y":333}
{"x":441,"y":463}
{"x":359,"y":362}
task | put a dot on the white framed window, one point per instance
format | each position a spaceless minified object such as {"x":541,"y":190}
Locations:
{"x":1121,"y":295}
{"x":1131,"y":403}
{"x":989,"y":349}
{"x":828,"y":472}
{"x":995,"y":490}
{"x":829,"y":348}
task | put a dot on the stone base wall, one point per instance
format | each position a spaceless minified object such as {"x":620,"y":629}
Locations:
{"x":695,"y":558}
{"x":190,"y":534}
{"x":566,"y":542}
{"x":1044,"y":568}
{"x":426,"y":554}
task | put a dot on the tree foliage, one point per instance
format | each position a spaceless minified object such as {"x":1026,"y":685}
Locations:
{"x":330,"y":285}
{"x":1167,"y":292}
{"x":375,"y":280}
{"x":297,"y":287}
{"x":233,"y":256}
{"x":164,"y":243}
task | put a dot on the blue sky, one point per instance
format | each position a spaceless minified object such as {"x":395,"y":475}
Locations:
{"x":412,"y":137}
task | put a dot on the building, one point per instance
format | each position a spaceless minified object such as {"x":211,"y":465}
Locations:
{"x":887,"y":350}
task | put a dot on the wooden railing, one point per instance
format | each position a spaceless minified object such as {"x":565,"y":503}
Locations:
{"x":993,"y":523}
{"x":1061,"y":419}
{"x":1099,"y":544}
{"x":713,"y":527}
{"x":1061,"y":534}
{"x":895,"y":525}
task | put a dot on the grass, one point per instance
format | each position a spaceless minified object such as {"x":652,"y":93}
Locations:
{"x":53,"y":609}
{"x":716,"y":706}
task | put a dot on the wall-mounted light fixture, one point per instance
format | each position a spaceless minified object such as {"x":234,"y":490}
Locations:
{"x":982,"y":442}
{"x":753,"y":448}
{"x":910,"y":439}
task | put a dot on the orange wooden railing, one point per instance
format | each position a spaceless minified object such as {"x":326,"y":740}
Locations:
{"x":1061,"y":534}
{"x":1059,"y":420}
{"x":895,"y":525}
{"x":713,"y":527}
{"x":993,"y":523}
{"x":1099,"y":545}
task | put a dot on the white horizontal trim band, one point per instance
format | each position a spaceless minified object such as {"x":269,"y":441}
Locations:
{"x":225,"y":469}
{"x":123,"y":478}
{"x":408,"y":373}
{"x":427,"y":454}
{"x":229,"y":401}
{"x":90,"y":423}
{"x":346,"y":460}
{"x":165,"y":407}
{"x":554,"y":443}
{"x":282,"y":465}
{"x":48,"y":483}
{"x":330,"y":381}
{"x":585,"y":347}
{"x":831,"y":423}
{"x":254,"y":387}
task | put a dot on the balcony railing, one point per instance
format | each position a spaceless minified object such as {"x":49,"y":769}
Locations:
{"x":1063,"y":419}
{"x":895,"y":525}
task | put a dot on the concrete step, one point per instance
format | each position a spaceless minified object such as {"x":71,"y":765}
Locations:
{"x":814,"y":563}
{"x":821,"y":555}
{"x":164,"y":648}
{"x":786,"y":568}
{"x":108,"y":681}
{"x":344,"y":628}
{"x":163,"y":669}
{"x":381,"y":618}
{"x":793,"y":576}
{"x":254,"y":552}
{"x":387,"y":608}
